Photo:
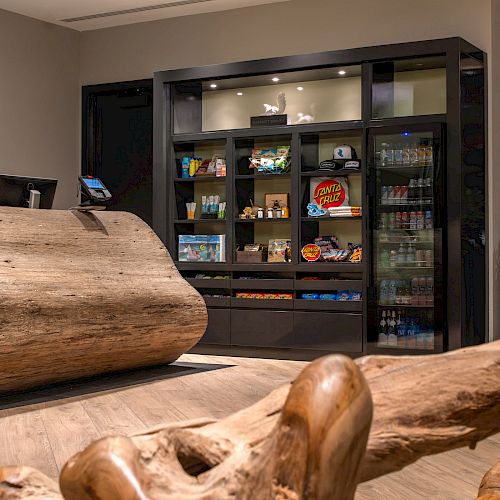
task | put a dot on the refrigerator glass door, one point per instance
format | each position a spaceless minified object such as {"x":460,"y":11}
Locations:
{"x":406,"y":264}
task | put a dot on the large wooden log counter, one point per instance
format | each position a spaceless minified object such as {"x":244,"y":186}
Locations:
{"x":85,"y":293}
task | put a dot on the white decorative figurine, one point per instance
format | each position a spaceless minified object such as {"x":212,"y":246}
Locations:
{"x":276,"y":110}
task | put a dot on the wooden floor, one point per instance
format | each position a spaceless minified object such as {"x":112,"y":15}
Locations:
{"x":60,"y":421}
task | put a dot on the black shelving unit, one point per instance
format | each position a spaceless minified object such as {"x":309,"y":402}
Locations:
{"x":300,"y":328}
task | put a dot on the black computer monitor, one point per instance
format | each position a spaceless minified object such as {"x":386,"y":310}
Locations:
{"x":15,"y":190}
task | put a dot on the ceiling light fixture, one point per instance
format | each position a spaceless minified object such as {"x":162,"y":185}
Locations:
{"x":239,"y":93}
{"x":276,"y":79}
{"x":300,"y":89}
{"x":342,"y":72}
{"x":213,"y":85}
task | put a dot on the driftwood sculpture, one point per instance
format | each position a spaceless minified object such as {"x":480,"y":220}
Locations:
{"x":302,"y":441}
{"x":88,"y":293}
{"x":490,"y":485}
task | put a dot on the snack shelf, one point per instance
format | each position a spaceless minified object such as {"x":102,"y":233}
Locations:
{"x":209,"y":283}
{"x":330,"y":173}
{"x":344,"y":217}
{"x":217,"y":301}
{"x":332,"y":266}
{"x":329,"y":305}
{"x":262,"y":284}
{"x":197,"y":221}
{"x":333,"y":284}
{"x":202,"y":266}
{"x":247,"y":221}
{"x":201,"y":178}
{"x":261,"y":177}
{"x":406,"y":306}
{"x":262,"y":303}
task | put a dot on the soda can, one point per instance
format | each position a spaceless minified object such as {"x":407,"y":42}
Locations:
{"x":420,"y":220}
{"x":428,"y":258}
{"x":413,"y":220}
{"x":428,"y":220}
{"x":384,"y":197}
{"x":405,"y":220}
{"x":403,"y":195}
{"x":398,"y":221}
{"x":394,"y":195}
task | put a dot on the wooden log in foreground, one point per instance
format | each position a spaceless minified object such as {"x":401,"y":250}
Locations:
{"x":490,"y":485}
{"x":88,"y":293}
{"x":303,"y":441}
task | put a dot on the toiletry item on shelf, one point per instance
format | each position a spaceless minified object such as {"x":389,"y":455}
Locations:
{"x":191,"y":209}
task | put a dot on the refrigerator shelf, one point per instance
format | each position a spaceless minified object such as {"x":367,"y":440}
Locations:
{"x":403,"y":306}
{"x":403,"y":167}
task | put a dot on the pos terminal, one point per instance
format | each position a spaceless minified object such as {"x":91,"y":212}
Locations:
{"x":94,"y":193}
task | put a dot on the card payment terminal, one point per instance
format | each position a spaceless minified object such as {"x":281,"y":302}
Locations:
{"x":94,"y":192}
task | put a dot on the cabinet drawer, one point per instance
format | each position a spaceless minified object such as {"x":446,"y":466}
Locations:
{"x":218,"y":328}
{"x":336,"y":332}
{"x":262,"y":328}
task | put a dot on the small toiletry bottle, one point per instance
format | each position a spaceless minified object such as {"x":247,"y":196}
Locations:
{"x":203,"y":205}
{"x":270,"y":213}
{"x":218,"y":169}
{"x":284,"y":213}
{"x":260,"y":213}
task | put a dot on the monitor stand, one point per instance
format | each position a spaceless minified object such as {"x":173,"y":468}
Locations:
{"x":34,"y":199}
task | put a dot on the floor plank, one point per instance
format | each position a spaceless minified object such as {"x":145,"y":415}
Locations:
{"x":44,"y":434}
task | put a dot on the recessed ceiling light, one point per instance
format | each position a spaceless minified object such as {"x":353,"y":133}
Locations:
{"x":239,"y":93}
{"x":213,"y":85}
{"x":342,"y":72}
{"x":276,"y":79}
{"x":300,"y":89}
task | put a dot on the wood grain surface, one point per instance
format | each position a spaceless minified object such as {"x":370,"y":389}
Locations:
{"x":84,"y":293}
{"x":305,"y":440}
{"x":490,"y":485}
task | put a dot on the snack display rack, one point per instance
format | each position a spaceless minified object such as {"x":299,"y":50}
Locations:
{"x":297,"y":308}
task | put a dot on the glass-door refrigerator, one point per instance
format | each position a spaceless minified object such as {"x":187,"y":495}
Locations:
{"x":405,"y":188}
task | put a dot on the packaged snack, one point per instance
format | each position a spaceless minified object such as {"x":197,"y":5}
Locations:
{"x":356,"y":253}
{"x":278,"y":251}
{"x":326,"y":244}
{"x":326,"y":192}
{"x":354,"y":295}
{"x":328,"y":296}
{"x":343,"y":295}
{"x":310,"y":296}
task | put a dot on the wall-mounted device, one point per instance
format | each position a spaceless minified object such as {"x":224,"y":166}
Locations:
{"x":94,"y":193}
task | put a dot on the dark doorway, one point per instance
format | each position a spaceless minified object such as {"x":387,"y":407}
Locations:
{"x":117,"y":143}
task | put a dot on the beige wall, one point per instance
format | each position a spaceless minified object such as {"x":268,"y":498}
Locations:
{"x":301,"y":26}
{"x":39,"y":102}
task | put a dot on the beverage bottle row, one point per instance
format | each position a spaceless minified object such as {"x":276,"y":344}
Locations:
{"x":405,"y":330}
{"x":405,"y":154}
{"x":414,"y":292}
{"x":406,"y":220}
{"x":418,"y":189}
{"x":406,"y":256}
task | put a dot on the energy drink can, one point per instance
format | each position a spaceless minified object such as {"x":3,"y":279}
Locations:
{"x":405,"y":220}
{"x":403,"y":195}
{"x":413,"y":220}
{"x":428,"y":220}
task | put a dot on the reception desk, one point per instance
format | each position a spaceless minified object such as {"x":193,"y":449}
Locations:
{"x":86,"y":293}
